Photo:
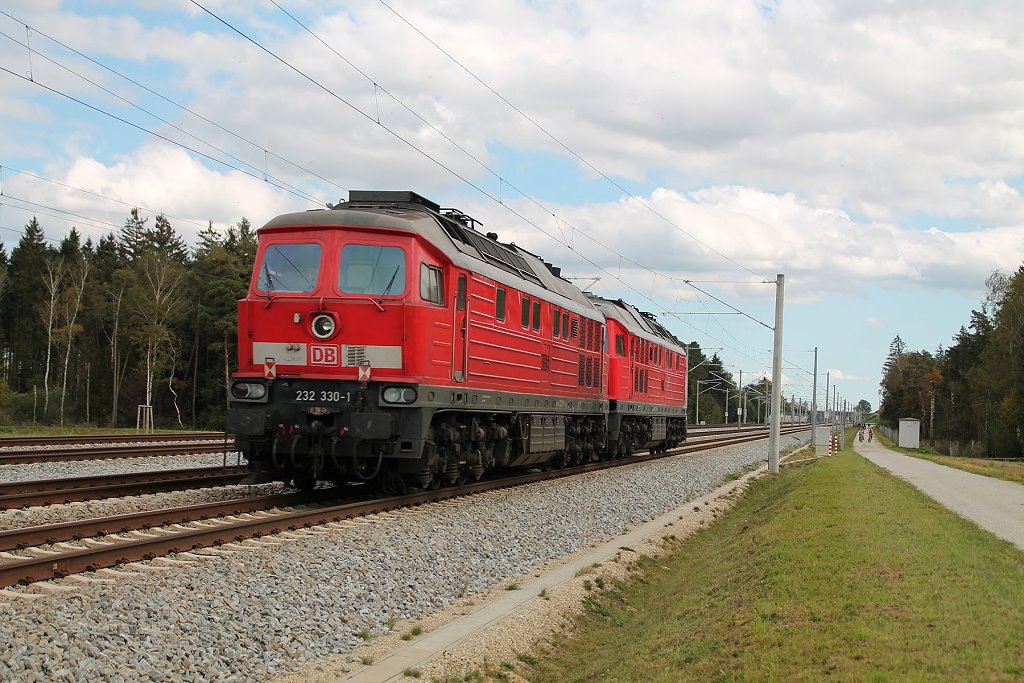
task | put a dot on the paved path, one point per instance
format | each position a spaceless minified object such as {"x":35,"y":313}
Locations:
{"x":992,"y":504}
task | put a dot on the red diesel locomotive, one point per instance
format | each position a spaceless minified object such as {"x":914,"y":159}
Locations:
{"x":387,"y":340}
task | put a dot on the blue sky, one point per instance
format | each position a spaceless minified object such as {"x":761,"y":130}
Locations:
{"x":871,"y":152}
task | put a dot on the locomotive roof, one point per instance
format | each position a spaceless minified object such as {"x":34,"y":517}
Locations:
{"x":454,"y":234}
{"x":638,"y":322}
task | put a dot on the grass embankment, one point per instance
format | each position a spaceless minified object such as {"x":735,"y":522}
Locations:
{"x":828,"y":570}
{"x":1010,"y":470}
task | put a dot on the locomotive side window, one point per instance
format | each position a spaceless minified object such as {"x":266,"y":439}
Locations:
{"x":431,"y":284}
{"x":536,"y":316}
{"x":556,"y":324}
{"x":460,"y":294}
{"x":499,"y":305}
{"x":371,"y":269}
{"x":565,"y":325}
{"x":620,"y":345}
{"x":526,"y":312}
{"x":289,"y":268}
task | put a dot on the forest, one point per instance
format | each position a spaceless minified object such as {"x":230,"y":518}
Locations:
{"x":90,"y":331}
{"x":968,"y":396}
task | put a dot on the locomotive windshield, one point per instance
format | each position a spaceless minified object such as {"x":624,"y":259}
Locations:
{"x":372,"y":269}
{"x":289,"y":268}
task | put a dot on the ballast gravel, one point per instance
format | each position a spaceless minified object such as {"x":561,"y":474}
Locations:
{"x":260,"y":612}
{"x":93,"y":468}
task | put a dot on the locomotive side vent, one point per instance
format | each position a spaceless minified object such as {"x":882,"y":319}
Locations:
{"x":355,"y":356}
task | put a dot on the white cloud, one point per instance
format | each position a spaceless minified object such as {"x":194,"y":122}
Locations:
{"x":871,"y":320}
{"x":887,"y":110}
{"x":837,"y":375}
{"x":157,"y":178}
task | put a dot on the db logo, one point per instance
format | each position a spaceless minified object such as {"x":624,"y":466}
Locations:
{"x":323,"y":354}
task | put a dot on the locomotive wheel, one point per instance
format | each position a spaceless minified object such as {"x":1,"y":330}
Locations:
{"x":392,"y":483}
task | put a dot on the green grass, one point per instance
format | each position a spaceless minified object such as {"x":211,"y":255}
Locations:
{"x":1010,"y":470}
{"x":833,"y":570}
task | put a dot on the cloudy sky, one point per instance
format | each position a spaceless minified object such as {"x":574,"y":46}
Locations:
{"x":683,"y":152}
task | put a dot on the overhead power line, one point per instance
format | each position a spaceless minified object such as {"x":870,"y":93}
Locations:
{"x":481,"y":163}
{"x":143,"y":129}
{"x":377,"y":86}
{"x":98,"y":195}
{"x":173,"y":103}
{"x":564,"y":146}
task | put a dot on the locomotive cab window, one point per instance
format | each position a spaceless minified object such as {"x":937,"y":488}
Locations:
{"x":372,"y":269}
{"x":431,"y":284}
{"x":556,"y":322}
{"x":526,"y":312}
{"x":289,"y":268}
{"x":620,"y":345}
{"x":565,"y":325}
{"x":536,"y":316}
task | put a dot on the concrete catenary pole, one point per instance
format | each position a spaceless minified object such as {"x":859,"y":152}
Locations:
{"x":773,"y":440}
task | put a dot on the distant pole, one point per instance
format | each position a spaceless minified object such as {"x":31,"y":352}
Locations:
{"x":727,"y":405}
{"x":697,"y":413}
{"x":773,"y":439}
{"x":835,"y":404}
{"x":931,"y":419}
{"x":743,"y":403}
{"x":814,"y":402}
{"x":827,"y":394}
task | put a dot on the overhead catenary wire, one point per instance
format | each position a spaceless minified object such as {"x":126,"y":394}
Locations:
{"x":55,"y":91}
{"x":499,"y":199}
{"x":174,"y":103}
{"x":99,"y":196}
{"x":561,"y":144}
{"x":500,"y":178}
{"x":408,"y":143}
{"x":466,"y":180}
{"x":578,"y":156}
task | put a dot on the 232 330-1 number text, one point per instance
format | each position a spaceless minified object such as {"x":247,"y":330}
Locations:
{"x":311,"y":395}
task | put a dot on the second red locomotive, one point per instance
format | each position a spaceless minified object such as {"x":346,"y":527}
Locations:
{"x":388,"y":340}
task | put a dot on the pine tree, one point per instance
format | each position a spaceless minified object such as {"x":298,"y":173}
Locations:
{"x":241,"y":242}
{"x":131,"y":241}
{"x":18,"y":318}
{"x":163,"y":240}
{"x":209,"y":238}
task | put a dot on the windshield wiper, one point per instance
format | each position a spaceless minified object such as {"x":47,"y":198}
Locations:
{"x":387,"y":290}
{"x":270,"y":285}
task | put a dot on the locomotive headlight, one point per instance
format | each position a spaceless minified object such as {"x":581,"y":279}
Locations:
{"x":249,"y":391}
{"x":399,"y":395}
{"x":323,"y":326}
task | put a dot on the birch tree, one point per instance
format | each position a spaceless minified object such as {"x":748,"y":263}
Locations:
{"x":158,"y":298}
{"x":53,"y":284}
{"x":78,"y":273}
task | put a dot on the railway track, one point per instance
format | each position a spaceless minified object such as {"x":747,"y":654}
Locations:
{"x":106,"y":451}
{"x":137,"y":538}
{"x":43,"y":441}
{"x":66,"y":490}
